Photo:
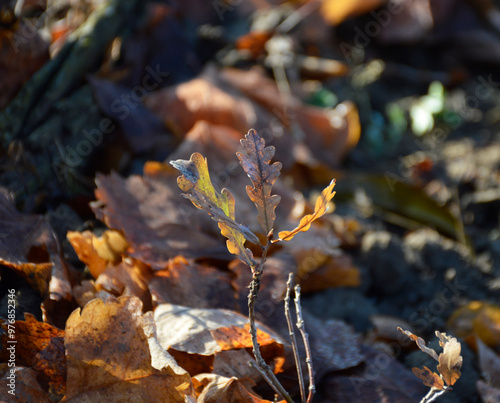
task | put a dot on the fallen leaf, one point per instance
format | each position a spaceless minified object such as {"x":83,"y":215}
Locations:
{"x":190,"y":334}
{"x":429,"y":378}
{"x":98,"y":252}
{"x":255,"y":160}
{"x":142,"y":129}
{"x":130,"y":277}
{"x":213,"y":388}
{"x":488,"y":393}
{"x":320,"y":209}
{"x":477,"y":318}
{"x":31,"y":337}
{"x":181,"y":106}
{"x":109,"y":356}
{"x":335,"y":12}
{"x":195,"y":181}
{"x":51,"y":361}
{"x":489,"y":363}
{"x":331,"y":133}
{"x":26,"y":387}
{"x":186,"y":283}
{"x":29,"y":246}
{"x":153,"y":218}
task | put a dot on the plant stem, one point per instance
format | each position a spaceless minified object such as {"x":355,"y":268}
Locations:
{"x":252,"y":299}
{"x":305,"y":337}
{"x":293,"y":338}
{"x":433,"y":395}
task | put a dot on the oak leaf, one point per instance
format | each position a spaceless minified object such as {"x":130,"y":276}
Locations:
{"x":214,"y":340}
{"x":255,"y":160}
{"x":29,"y":246}
{"x":112,"y":356}
{"x":31,"y":337}
{"x":195,"y":181}
{"x":320,"y":209}
{"x":429,"y":378}
{"x":420,"y":343}
{"x":27,"y":388}
{"x":150,"y":213}
{"x":450,"y":360}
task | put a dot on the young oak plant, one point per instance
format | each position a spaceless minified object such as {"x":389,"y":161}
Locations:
{"x":255,"y":159}
{"x":450,"y":362}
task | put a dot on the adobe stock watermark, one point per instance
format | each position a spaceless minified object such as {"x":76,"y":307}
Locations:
{"x":11,"y":342}
{"x":72,"y":157}
{"x":354,"y":53}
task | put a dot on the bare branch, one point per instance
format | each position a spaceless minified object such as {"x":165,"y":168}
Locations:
{"x":293,"y":338}
{"x":252,"y":299}
{"x":305,"y":337}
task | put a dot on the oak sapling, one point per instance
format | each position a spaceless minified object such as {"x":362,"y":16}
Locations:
{"x":450,"y":362}
{"x":255,"y":159}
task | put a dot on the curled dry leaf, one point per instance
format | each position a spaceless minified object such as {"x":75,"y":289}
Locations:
{"x":29,"y":246}
{"x":429,"y":378}
{"x":255,"y":160}
{"x":320,"y":209}
{"x":450,"y":360}
{"x":98,"y":252}
{"x":195,"y":181}
{"x":420,"y":343}
{"x":110,"y":359}
{"x":31,"y":337}
{"x":129,"y":277}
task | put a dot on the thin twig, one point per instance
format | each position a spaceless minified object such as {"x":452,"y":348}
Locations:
{"x":252,"y":299}
{"x":305,"y":337}
{"x":264,"y":375}
{"x":433,"y":395}
{"x":293,"y":338}
{"x":298,"y":15}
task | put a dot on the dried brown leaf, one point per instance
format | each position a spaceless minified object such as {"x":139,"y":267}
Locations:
{"x":420,"y":343}
{"x":450,"y":360}
{"x":319,"y":210}
{"x":430,"y":379}
{"x":29,"y":246}
{"x":255,"y":160}
{"x":489,"y":362}
{"x":26,"y":390}
{"x":184,"y":282}
{"x":31,"y":337}
{"x":150,"y":212}
{"x":191,"y":335}
{"x":51,"y":361}
{"x":110,"y":358}
{"x":195,"y":181}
